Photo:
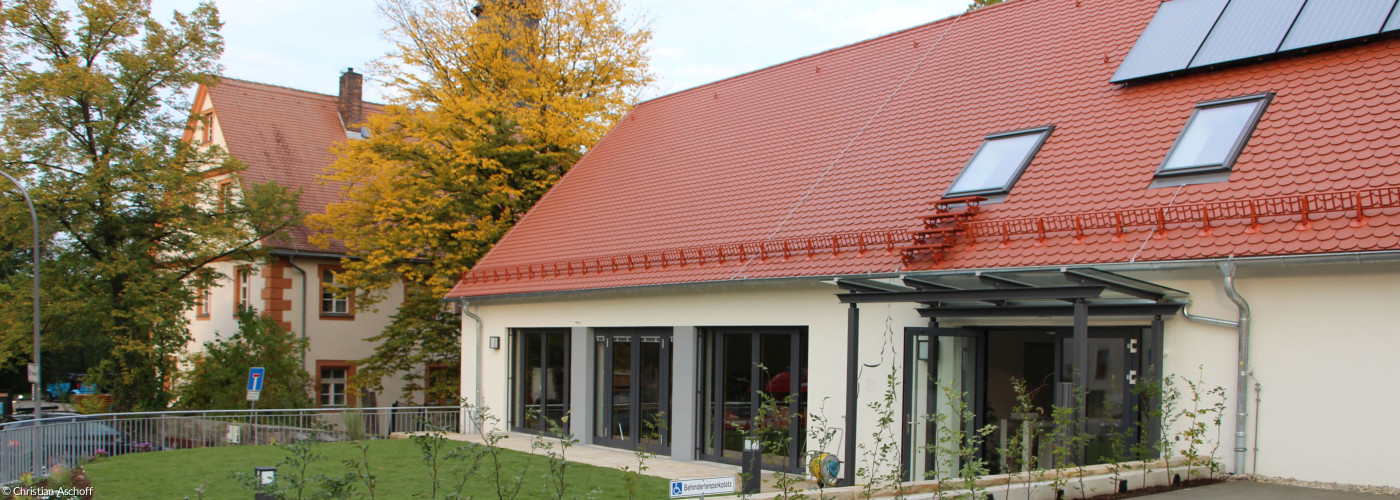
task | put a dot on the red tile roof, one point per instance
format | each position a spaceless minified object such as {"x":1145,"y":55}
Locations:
{"x":284,"y":136}
{"x":862,"y":139}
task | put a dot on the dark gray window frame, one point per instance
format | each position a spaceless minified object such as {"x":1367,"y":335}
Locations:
{"x":1263,"y":100}
{"x":1043,"y":131}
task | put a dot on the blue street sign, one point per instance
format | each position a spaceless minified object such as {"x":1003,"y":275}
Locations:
{"x":255,"y":378}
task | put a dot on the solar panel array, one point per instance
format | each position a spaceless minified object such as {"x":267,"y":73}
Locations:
{"x":1195,"y":33}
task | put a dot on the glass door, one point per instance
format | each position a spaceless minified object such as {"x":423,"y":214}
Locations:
{"x":943,"y":398}
{"x":539,"y":379}
{"x":754,"y":386}
{"x":1108,"y":398}
{"x":632,"y":385}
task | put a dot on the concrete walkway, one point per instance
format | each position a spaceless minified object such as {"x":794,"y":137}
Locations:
{"x":613,"y":458}
{"x":1246,"y":490}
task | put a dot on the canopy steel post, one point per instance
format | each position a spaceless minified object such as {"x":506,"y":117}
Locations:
{"x":38,"y":379}
{"x":848,"y":476}
{"x":1081,"y":367}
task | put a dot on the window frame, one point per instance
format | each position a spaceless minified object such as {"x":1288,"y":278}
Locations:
{"x":242,"y":299}
{"x":349,"y":298}
{"x":335,"y":364}
{"x":428,"y":370}
{"x":202,"y":301}
{"x":208,"y":127}
{"x":1044,"y":132}
{"x":224,"y":188}
{"x":1261,"y":102}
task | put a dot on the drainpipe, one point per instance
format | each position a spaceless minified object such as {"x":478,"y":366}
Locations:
{"x":476,"y":399}
{"x":292,"y":261}
{"x":1227,"y":269}
{"x":1227,"y":272}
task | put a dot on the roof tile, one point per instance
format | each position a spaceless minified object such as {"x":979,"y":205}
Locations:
{"x":878,"y":135}
{"x":284,"y":136}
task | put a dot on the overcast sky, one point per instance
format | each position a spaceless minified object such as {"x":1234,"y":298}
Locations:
{"x":306,"y":44}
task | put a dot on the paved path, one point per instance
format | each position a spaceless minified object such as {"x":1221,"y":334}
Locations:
{"x":614,"y":458}
{"x":1245,"y":490}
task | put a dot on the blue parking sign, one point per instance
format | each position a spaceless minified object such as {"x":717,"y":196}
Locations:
{"x":255,"y":378}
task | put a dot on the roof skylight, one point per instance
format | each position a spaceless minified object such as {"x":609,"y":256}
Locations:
{"x":1214,"y":135}
{"x":999,"y":162}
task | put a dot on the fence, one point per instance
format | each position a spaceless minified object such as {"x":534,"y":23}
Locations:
{"x":69,"y":439}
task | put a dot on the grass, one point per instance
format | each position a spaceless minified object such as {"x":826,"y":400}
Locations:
{"x":398,"y":464}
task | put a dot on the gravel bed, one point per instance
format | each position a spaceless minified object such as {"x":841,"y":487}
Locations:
{"x":1288,"y":481}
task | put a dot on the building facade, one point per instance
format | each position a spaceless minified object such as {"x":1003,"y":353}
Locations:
{"x":284,"y":136}
{"x":1081,"y":196}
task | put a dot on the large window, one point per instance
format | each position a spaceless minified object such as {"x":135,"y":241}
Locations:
{"x":1214,"y":135}
{"x":336,"y":301}
{"x":999,"y":162}
{"x":540,"y":378}
{"x":754,"y":386}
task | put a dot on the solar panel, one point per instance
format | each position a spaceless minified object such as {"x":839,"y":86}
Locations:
{"x":1171,"y":38}
{"x":1326,"y":21}
{"x":1393,"y":23}
{"x":1248,"y":28}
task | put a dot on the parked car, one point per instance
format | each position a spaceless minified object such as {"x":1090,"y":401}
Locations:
{"x":71,"y":436}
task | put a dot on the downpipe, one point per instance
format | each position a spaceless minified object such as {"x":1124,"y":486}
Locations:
{"x":476,"y":397}
{"x":1227,"y":270}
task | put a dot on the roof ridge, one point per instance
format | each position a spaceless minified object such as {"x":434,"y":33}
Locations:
{"x":873,"y":39}
{"x":284,"y":87}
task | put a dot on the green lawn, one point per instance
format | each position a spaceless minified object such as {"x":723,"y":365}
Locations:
{"x":398,"y":463}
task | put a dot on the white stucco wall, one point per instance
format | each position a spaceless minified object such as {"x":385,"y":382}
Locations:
{"x":329,"y":339}
{"x":1324,"y":342}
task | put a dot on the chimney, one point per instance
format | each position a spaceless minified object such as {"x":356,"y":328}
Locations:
{"x":351,"y":100}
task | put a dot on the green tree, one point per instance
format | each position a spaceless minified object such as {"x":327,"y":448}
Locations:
{"x":218,"y":373}
{"x":977,"y":4}
{"x":500,"y":99}
{"x":92,"y":121}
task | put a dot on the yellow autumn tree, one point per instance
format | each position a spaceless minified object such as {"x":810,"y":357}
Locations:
{"x":498,"y":99}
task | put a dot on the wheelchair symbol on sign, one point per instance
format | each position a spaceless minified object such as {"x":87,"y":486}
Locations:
{"x":676,"y":488}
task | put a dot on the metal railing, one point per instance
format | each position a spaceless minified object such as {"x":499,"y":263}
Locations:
{"x":70,"y":440}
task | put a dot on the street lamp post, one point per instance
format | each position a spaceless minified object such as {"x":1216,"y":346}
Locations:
{"x":34,"y":220}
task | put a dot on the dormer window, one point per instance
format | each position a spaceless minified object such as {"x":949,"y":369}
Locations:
{"x":1214,"y":135}
{"x":999,"y":162}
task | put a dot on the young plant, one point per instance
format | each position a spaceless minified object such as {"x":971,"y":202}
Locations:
{"x":1207,"y":406}
{"x":775,"y":439}
{"x":1118,"y":439}
{"x":1067,"y":440}
{"x":883,"y":467}
{"x":968,"y":443}
{"x":1145,"y":449}
{"x":301,"y":454}
{"x":506,"y":488}
{"x":431,"y":444}
{"x":361,"y":470}
{"x":1018,"y":450}
{"x":557,"y":477}
{"x":1169,"y":402}
{"x":655,"y":426}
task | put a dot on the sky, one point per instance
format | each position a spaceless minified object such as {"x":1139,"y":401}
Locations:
{"x":306,"y":44}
